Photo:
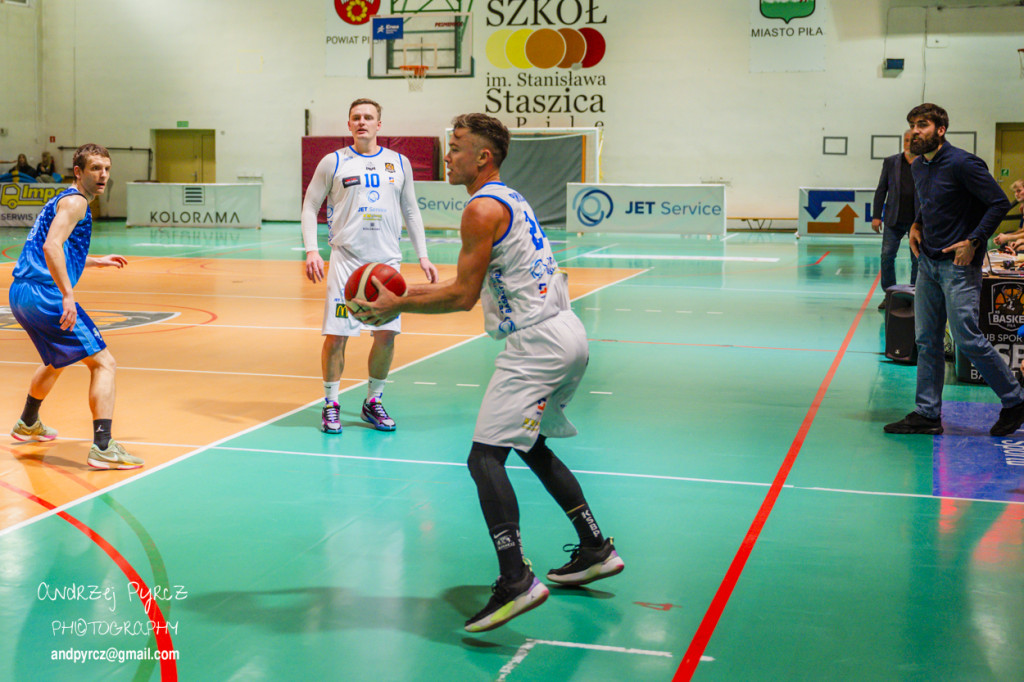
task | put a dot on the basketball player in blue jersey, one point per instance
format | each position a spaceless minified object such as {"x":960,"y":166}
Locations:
{"x":506,"y":259}
{"x":369,"y":190}
{"x":43,"y":301}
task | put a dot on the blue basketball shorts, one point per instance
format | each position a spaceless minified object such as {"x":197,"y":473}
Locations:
{"x":37,"y":308}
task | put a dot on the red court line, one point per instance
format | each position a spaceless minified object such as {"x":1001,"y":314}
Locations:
{"x":707,"y":625}
{"x":168,"y":667}
{"x":818,"y":262}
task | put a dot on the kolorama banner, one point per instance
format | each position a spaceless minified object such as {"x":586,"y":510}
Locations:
{"x":166,"y":204}
{"x":835,"y":212}
{"x":671,"y":209}
{"x":21,"y":202}
{"x":441,"y":204}
{"x":787,"y":35}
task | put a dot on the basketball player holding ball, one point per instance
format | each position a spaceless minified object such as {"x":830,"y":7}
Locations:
{"x":369,"y":190}
{"x":506,"y":260}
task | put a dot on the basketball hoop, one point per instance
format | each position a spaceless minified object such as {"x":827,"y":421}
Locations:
{"x":415,"y":74}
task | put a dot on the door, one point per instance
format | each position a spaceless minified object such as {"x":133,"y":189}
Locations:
{"x":1009,"y":155}
{"x":185,"y":156}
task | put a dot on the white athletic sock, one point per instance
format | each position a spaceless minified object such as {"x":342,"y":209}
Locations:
{"x":331,"y":391}
{"x":375,"y":390}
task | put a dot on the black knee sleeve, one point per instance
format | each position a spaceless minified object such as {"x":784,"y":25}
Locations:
{"x":497,"y":498}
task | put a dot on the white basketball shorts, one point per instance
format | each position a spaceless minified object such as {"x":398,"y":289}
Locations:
{"x":338,"y":321}
{"x":535,"y":378}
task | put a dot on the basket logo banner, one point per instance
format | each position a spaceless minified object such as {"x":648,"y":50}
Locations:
{"x":1007,"y":306}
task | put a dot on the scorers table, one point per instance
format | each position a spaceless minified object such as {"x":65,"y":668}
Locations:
{"x":1000,"y":314}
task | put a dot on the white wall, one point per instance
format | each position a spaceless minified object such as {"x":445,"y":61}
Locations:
{"x":680,"y":102}
{"x":19,"y":84}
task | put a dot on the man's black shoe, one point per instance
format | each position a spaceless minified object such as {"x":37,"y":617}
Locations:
{"x":918,"y":423}
{"x":1010,"y":419}
{"x":881,"y":306}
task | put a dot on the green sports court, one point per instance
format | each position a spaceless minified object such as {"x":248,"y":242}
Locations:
{"x":730,"y":440}
{"x":705,"y":173}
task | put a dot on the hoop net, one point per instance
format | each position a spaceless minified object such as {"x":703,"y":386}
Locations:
{"x":415,"y":75}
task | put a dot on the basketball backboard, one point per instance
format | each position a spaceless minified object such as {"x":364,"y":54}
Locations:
{"x":441,"y":41}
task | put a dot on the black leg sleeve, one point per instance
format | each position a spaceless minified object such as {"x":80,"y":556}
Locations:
{"x":497,"y":498}
{"x":556,"y":477}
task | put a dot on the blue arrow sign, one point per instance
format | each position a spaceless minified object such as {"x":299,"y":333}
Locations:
{"x":817,"y":197}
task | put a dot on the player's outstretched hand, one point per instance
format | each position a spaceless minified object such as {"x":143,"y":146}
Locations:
{"x":430,"y":270}
{"x":314,"y":266}
{"x":111,"y":261}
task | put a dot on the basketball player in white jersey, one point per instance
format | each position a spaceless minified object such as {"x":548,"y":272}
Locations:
{"x":369,"y":191}
{"x":506,"y":259}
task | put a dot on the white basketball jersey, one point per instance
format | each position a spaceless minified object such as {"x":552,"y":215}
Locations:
{"x":523,"y":285}
{"x":367,"y":197}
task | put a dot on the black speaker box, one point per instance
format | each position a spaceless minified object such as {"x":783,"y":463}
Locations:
{"x":900,"y":343}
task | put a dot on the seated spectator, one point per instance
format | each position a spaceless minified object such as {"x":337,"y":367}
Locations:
{"x":1011,"y":238}
{"x":23,"y":167}
{"x":46,"y":171}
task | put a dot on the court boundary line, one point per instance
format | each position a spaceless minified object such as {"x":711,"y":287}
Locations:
{"x":529,"y":644}
{"x":188,"y":455}
{"x":204,"y":448}
{"x":621,"y":474}
{"x":701,"y":638}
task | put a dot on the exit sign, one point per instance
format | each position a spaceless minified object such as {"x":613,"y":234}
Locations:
{"x":183,"y":124}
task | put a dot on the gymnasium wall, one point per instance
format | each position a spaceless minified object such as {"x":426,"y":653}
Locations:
{"x":674,"y":90}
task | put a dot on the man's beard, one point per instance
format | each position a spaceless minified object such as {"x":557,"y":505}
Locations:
{"x":921,"y":145}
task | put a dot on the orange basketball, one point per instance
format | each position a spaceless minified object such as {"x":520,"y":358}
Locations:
{"x":360,"y":284}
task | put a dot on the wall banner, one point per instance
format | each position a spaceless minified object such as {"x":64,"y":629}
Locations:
{"x":347,"y":47}
{"x":787,"y":35}
{"x":166,"y":204}
{"x":832,"y":212}
{"x":20,"y":203}
{"x":671,"y":209}
{"x":441,"y":204}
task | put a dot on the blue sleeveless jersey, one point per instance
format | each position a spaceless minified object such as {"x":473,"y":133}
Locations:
{"x":31,"y":263}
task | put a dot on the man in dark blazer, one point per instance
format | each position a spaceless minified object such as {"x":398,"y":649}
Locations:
{"x":896,"y":193}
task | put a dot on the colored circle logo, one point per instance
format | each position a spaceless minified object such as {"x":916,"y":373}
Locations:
{"x":545,"y":48}
{"x":356,"y":11}
{"x":592,"y":206}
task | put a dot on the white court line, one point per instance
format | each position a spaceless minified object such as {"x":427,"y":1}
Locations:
{"x":601,"y":392}
{"x":621,"y":474}
{"x":469,"y":385}
{"x":150,"y":471}
{"x":806,"y":293}
{"x":728,"y":237}
{"x":588,"y":253}
{"x":730,"y":259}
{"x":302,"y":329}
{"x":192,"y":371}
{"x":188,"y":455}
{"x":522,"y":652}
